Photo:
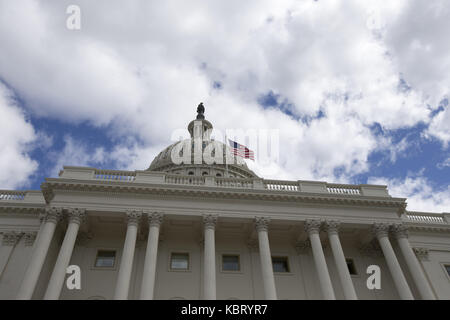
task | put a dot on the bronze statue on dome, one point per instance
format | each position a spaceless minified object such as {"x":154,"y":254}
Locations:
{"x":200,"y":111}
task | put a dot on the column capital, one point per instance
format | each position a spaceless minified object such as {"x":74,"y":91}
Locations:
{"x":312,"y":226}
{"x":332,"y":226}
{"x":262,"y":223}
{"x":133,"y":217}
{"x":84,"y":237}
{"x":400,"y":231}
{"x":371,"y":249}
{"x":11,"y":238}
{"x":53,"y":214}
{"x":29,"y":237}
{"x":154,"y":218}
{"x":76,"y":215}
{"x":252,"y":244}
{"x":303,"y":247}
{"x":380,"y":230}
{"x":209,"y":221}
{"x":421,"y":253}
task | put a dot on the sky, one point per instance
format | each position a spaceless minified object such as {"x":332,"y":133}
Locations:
{"x":358,"y":90}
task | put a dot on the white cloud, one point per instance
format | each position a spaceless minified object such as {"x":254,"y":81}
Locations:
{"x":419,"y":191}
{"x":16,"y":135}
{"x":75,"y":153}
{"x":440,"y":127}
{"x":141,"y":67}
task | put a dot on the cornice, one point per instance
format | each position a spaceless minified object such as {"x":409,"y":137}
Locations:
{"x":413,"y":226}
{"x":21,"y":208}
{"x":51,"y":185}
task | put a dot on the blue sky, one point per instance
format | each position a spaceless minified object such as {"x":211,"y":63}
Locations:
{"x":358,"y":91}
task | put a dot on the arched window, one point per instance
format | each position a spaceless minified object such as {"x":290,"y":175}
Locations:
{"x":191,"y":173}
{"x":218,"y":175}
{"x":204,"y":173}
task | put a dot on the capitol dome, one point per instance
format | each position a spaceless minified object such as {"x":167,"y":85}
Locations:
{"x":228,"y":165}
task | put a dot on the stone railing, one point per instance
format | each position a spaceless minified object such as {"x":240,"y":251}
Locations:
{"x":115,"y":175}
{"x":280,"y":185}
{"x":234,"y":183}
{"x":25,"y":196}
{"x":152,"y":177}
{"x":425,"y":217}
{"x":343,"y":189}
{"x":12,"y":195}
{"x":180,"y":179}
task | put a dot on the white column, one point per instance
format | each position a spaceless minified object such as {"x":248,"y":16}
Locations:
{"x":262,"y":225}
{"x":148,"y":278}
{"x":75,"y":216}
{"x":381,"y":231}
{"x":312,"y":227}
{"x":332,"y":228}
{"x":126,"y":263}
{"x":209,"y":280}
{"x":40,"y":250}
{"x":401,"y":234}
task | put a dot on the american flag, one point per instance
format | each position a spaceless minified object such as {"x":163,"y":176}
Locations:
{"x":240,"y":150}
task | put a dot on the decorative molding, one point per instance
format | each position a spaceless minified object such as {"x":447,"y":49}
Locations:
{"x":380,"y":230}
{"x":303,"y":247}
{"x":133,"y":217}
{"x":76,"y":215}
{"x":422,"y":253}
{"x":332,"y":226}
{"x":29,"y":237}
{"x":252,"y":244}
{"x":312,"y":226}
{"x":262,"y":224}
{"x":371,"y":249}
{"x":167,"y":190}
{"x":400,"y":231}
{"x":210,"y":221}
{"x":83,"y":238}
{"x":11,"y":238}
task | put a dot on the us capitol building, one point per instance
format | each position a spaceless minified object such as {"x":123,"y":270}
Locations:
{"x":216,"y":231}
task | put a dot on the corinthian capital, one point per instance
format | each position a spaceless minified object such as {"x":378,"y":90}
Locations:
{"x":400,"y":231}
{"x":209,"y":221}
{"x":53,"y":214}
{"x":312,"y":226}
{"x":11,"y":238}
{"x":29,"y":237}
{"x":332,"y":226}
{"x":262,"y":223}
{"x":380,"y":230}
{"x":154,"y":219}
{"x":133,"y":217}
{"x":76,"y":215}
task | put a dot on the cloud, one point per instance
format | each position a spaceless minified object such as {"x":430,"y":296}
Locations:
{"x":420,"y":193}
{"x":440,"y":127}
{"x":140,"y":68}
{"x":16,"y":136}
